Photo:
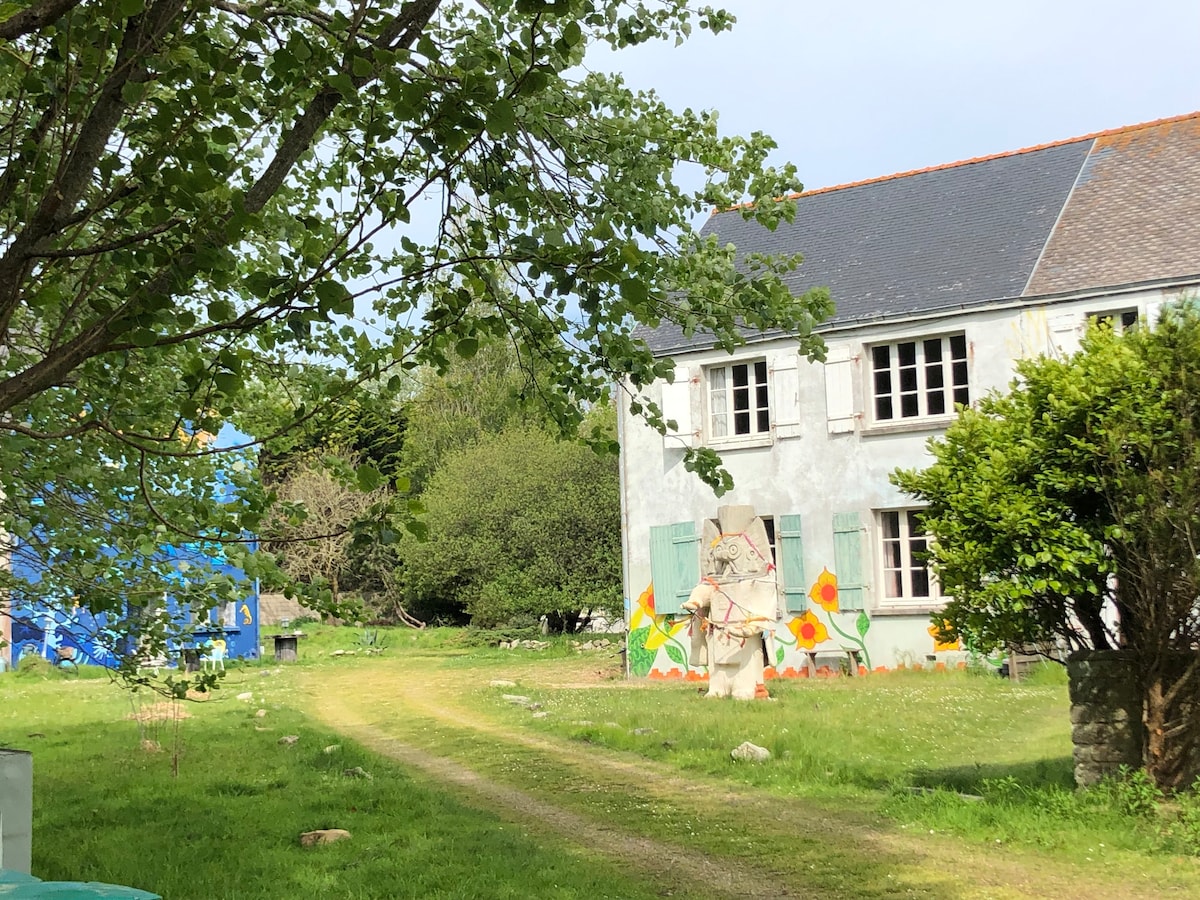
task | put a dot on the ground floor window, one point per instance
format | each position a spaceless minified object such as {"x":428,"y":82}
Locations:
{"x":903,"y":544}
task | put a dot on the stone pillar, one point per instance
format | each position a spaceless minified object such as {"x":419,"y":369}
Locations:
{"x":1106,"y":714}
{"x":16,"y":810}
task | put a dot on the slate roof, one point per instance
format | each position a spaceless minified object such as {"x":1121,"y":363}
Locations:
{"x":1101,"y":210}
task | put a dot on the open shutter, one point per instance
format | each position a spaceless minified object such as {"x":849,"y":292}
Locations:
{"x":791,"y":564}
{"x":1065,"y":331}
{"x":839,"y":389}
{"x":785,"y":395}
{"x":677,"y":407}
{"x":674,"y":564}
{"x":848,"y":558}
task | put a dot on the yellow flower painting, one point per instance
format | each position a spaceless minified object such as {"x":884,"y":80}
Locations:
{"x":809,"y":630}
{"x":825,"y":591}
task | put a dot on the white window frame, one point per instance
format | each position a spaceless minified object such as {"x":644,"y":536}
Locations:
{"x":921,"y":373}
{"x":895,"y":558}
{"x":772,"y":539}
{"x":721,"y":399}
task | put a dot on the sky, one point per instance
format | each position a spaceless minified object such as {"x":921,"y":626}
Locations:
{"x":858,"y":89}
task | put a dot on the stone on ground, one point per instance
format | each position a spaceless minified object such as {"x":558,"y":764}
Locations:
{"x":323,"y":836}
{"x":748,"y":752}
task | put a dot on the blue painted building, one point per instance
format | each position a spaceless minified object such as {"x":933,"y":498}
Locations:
{"x":65,"y":631}
{"x":68,"y":633}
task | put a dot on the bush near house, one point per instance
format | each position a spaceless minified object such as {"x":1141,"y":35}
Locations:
{"x":1078,"y":489}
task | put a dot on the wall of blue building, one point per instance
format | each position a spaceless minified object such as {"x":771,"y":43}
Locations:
{"x":63,"y":630}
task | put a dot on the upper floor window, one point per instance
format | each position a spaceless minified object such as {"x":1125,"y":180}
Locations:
{"x":1120,"y":320}
{"x":914,"y":379}
{"x":903,"y":545}
{"x":737,"y":400}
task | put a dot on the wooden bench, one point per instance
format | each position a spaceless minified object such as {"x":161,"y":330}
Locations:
{"x":848,"y":660}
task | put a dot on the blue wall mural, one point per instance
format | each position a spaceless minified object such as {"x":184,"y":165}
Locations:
{"x":68,"y":634}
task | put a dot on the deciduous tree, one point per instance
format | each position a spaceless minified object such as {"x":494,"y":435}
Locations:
{"x":520,"y":526}
{"x":194,"y":194}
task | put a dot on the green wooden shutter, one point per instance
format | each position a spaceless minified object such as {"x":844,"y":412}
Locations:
{"x":848,"y":558}
{"x":791,"y":564}
{"x":674,"y":564}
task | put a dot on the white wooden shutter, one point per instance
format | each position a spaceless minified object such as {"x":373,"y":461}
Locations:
{"x":677,"y":407}
{"x":839,"y":389}
{"x":1065,"y":332}
{"x":785,"y":395}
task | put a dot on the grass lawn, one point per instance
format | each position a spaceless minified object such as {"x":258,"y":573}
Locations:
{"x":227,"y":825}
{"x":922,"y":770}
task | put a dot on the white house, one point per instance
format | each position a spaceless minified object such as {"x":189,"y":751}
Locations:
{"x":942,"y":278}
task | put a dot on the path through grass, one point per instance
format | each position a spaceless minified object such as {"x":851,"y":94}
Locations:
{"x":227,"y":825}
{"x":827,"y":818}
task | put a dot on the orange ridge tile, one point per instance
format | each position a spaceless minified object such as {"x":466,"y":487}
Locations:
{"x":1095,"y":135}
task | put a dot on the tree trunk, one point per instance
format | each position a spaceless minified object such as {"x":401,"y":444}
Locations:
{"x":1172,"y":718}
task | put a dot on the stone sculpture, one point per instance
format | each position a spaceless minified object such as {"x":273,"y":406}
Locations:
{"x":735,"y":603}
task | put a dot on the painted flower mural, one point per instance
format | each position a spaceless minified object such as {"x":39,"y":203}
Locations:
{"x":664,"y":630}
{"x":825,"y":591}
{"x":939,"y":642}
{"x":644,"y":610}
{"x":650,"y":632}
{"x":808,"y":630}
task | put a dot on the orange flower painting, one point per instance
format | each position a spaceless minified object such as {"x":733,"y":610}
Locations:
{"x":808,"y":629}
{"x":825,"y":591}
{"x":644,"y":608}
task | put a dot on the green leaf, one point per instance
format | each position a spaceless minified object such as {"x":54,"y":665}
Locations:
{"x":467,"y":347}
{"x":640,"y":659}
{"x":227,"y":382}
{"x":332,"y":296}
{"x":220,"y":311}
{"x":863,"y":624}
{"x":143,"y":337}
{"x":501,"y":118}
{"x":368,"y":477}
{"x":676,"y":655}
{"x":634,"y":290}
{"x":342,"y":83}
{"x":779,"y":653}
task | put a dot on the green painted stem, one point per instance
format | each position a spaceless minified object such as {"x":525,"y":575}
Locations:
{"x":852,"y":638}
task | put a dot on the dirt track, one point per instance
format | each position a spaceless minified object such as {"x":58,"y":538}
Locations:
{"x":819,"y":854}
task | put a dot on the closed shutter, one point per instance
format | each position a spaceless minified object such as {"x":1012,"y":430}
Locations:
{"x":839,"y":389}
{"x":848,"y":557}
{"x":791,"y":564}
{"x":674,"y":564}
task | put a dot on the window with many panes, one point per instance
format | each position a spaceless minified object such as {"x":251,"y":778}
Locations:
{"x":916,"y":379}
{"x":1119,"y":321}
{"x":737,"y":400}
{"x":903,"y":544}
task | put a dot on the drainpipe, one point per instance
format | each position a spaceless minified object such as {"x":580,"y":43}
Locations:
{"x":619,"y":396}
